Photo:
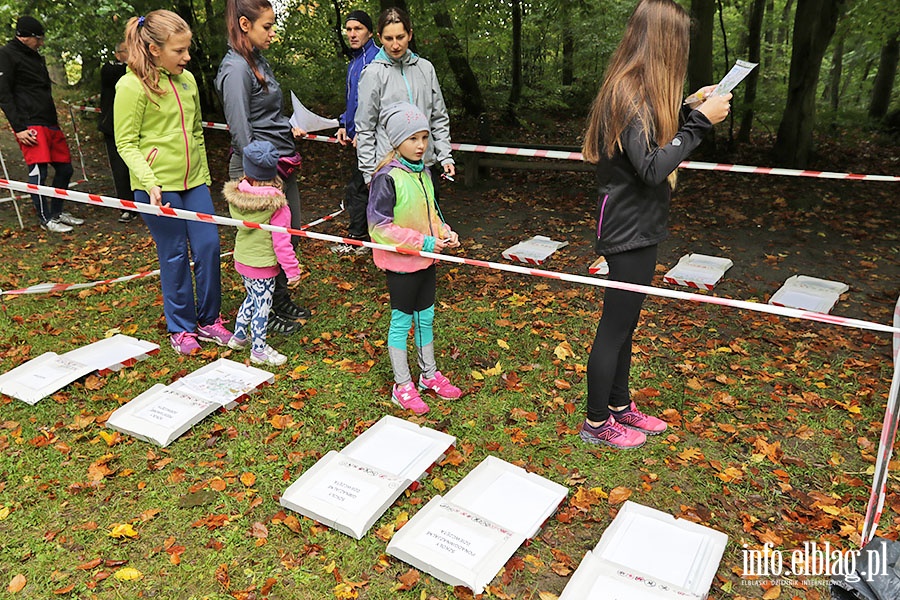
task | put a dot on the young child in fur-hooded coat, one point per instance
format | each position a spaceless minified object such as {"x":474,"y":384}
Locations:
{"x":258,"y":198}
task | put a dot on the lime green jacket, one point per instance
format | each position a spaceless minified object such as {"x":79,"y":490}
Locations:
{"x":161,"y":141}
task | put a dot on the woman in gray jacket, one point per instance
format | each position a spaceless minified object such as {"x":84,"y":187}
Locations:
{"x":253,"y":103}
{"x":397,"y":74}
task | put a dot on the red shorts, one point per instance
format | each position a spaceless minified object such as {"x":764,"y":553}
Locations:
{"x":51,"y":146}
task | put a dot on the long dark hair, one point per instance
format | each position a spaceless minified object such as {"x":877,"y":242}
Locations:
{"x":251,"y":9}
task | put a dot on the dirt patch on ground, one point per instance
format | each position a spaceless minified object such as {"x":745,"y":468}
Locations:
{"x":771,"y":227}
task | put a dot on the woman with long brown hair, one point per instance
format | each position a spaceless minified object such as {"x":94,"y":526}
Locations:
{"x":635,"y":139}
{"x":253,"y":102}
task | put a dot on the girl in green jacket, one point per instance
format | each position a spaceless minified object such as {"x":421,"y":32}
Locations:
{"x":160,"y":137}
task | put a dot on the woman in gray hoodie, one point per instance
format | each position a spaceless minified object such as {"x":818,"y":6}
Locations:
{"x":397,"y":74}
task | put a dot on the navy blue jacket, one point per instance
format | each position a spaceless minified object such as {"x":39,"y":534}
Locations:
{"x":633,"y":209}
{"x":360,"y":59}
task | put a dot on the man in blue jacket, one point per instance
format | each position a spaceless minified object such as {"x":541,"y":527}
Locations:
{"x":358,"y":28}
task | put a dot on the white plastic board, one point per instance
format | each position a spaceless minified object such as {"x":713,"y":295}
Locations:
{"x":343,"y":493}
{"x":467,"y":536}
{"x":533,"y":251}
{"x":224,"y":382}
{"x":454,"y":545}
{"x":599,"y":267}
{"x":809,"y":293}
{"x":508,"y":495}
{"x":646,"y":554}
{"x":41,"y":376}
{"x":698,"y":271}
{"x":399,"y":447}
{"x":113,"y":353}
{"x":160,"y":415}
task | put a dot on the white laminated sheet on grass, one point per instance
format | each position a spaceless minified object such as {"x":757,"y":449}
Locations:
{"x":698,"y":271}
{"x":533,"y":251}
{"x":465,"y":537}
{"x":48,"y":373}
{"x":646,"y":554}
{"x":809,"y":293}
{"x":224,"y":382}
{"x":351,"y":489}
{"x":160,"y":415}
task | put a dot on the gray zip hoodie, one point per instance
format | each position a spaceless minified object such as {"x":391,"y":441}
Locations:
{"x":385,"y":81}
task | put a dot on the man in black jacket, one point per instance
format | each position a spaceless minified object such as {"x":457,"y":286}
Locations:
{"x":27,"y":102}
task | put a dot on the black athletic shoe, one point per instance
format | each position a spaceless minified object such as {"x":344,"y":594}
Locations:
{"x":283,"y":326}
{"x":286,"y":309}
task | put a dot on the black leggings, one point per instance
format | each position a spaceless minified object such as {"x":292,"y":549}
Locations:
{"x":610,"y":361}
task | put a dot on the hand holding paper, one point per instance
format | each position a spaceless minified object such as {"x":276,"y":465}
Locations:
{"x":737,"y":74}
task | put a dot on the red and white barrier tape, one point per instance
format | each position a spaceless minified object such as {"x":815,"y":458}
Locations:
{"x":666,"y":293}
{"x":565,"y":155}
{"x":49,"y":288}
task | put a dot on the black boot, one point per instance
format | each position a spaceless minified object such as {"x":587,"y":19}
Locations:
{"x":283,"y":326}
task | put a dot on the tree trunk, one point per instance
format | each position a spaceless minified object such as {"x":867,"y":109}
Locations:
{"x":884,"y":79}
{"x":515,"y":90}
{"x":472,"y":100}
{"x":341,"y":46}
{"x":782,"y":29}
{"x":700,"y":62}
{"x":568,"y":46}
{"x":754,"y":47}
{"x":770,"y":35}
{"x":833,"y":89}
{"x":814,"y":26}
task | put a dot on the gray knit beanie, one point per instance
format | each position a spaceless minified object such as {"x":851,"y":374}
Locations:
{"x":260,"y":161}
{"x":401,"y":120}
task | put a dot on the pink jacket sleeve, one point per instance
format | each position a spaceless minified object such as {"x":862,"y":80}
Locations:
{"x":281,"y":242}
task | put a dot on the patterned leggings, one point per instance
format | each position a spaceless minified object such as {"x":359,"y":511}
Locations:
{"x":254,"y":312}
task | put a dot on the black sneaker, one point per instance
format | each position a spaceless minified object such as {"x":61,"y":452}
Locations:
{"x":286,"y":309}
{"x":126,"y":217}
{"x":283,"y":326}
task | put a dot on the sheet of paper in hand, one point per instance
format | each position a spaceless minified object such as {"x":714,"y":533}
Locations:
{"x":736,"y":75}
{"x":305,"y":119}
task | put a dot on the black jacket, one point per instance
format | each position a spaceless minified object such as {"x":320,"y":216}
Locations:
{"x":25,"y":95}
{"x":110,"y":74}
{"x":633,"y":208}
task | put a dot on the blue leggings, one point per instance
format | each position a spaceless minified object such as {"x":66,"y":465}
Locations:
{"x":177,"y":243}
{"x":254,"y":312}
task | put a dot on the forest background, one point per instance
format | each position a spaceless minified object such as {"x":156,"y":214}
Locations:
{"x":501,"y":62}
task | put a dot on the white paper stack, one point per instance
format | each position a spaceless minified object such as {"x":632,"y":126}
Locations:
{"x":113,"y":353}
{"x":698,"y":271}
{"x":50,"y":372}
{"x":599,"y":267}
{"x":809,"y":293}
{"x":646,"y":554}
{"x":533,"y":251}
{"x":162,"y":413}
{"x":351,"y":489}
{"x":224,"y":382}
{"x":466,"y":537}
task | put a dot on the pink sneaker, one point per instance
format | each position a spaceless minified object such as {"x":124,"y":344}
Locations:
{"x":612,"y":434}
{"x":632,"y":418}
{"x":408,"y":397}
{"x":441,"y":386}
{"x":215,"y":332}
{"x":184,"y":342}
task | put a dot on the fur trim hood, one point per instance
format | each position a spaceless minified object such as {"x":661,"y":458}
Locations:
{"x":248,"y":198}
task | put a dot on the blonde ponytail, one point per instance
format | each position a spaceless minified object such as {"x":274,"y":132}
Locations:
{"x":154,"y":28}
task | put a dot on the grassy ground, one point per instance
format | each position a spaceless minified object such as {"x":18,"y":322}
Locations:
{"x":773,"y":423}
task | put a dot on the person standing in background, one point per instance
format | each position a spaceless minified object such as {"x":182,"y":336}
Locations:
{"x":110,"y":74}
{"x":27,"y":102}
{"x":358,"y":28}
